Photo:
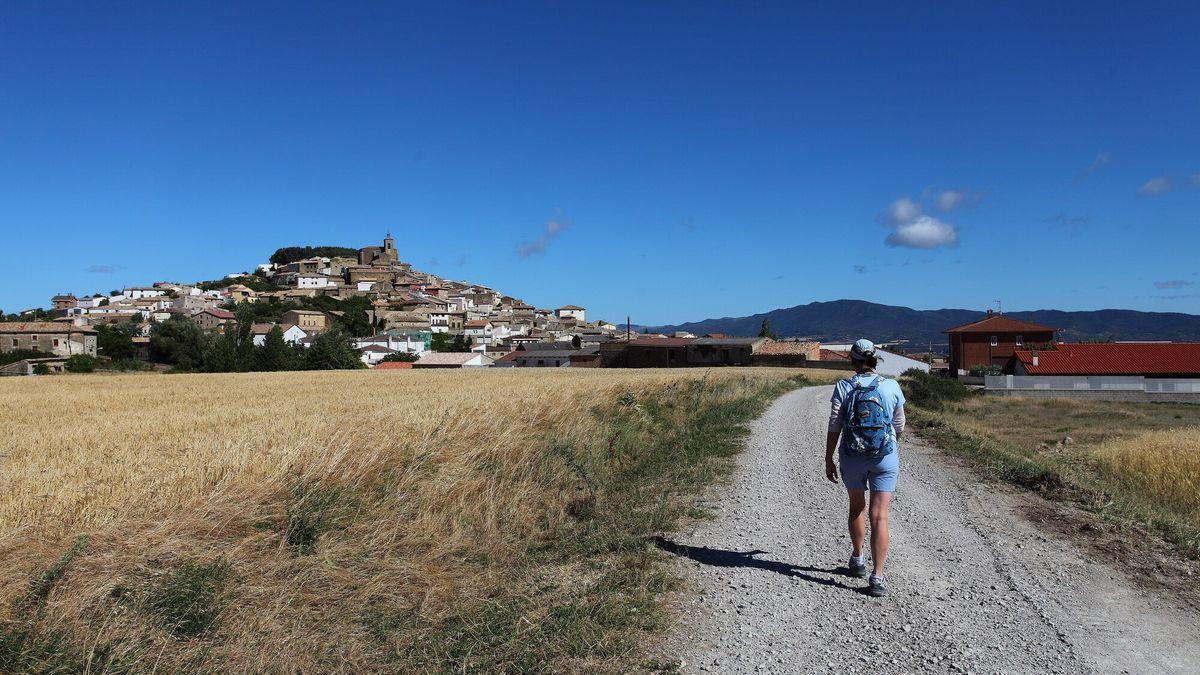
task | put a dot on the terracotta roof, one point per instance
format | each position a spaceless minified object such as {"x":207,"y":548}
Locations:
{"x":478,"y":323}
{"x":786,"y":347}
{"x":261,"y":328}
{"x":219,"y":313}
{"x":1115,"y":358}
{"x":394,"y":365}
{"x":377,"y":349}
{"x":570,"y":307}
{"x":998,"y":323}
{"x":831,"y":355}
{"x":445,"y":358}
{"x":41,"y":327}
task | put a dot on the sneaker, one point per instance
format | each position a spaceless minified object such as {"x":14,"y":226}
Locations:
{"x":875,"y":587}
{"x":858,"y":567}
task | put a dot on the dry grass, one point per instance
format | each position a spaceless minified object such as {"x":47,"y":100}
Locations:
{"x":1134,"y":463}
{"x":1163,"y":465}
{"x":331,"y":520}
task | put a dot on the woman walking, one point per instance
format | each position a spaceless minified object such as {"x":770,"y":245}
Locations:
{"x":866,"y":415}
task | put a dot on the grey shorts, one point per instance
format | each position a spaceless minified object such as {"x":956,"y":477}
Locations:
{"x":861,"y":473}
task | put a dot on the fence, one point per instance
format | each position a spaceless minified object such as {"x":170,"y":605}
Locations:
{"x":1111,"y":388}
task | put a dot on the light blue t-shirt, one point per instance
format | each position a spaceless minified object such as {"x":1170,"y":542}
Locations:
{"x":889,"y":390}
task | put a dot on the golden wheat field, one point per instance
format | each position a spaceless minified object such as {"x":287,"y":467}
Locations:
{"x":1162,"y":464}
{"x":429,"y":479}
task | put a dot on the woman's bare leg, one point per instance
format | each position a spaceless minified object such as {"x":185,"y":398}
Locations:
{"x":856,"y":520}
{"x":880,"y":501}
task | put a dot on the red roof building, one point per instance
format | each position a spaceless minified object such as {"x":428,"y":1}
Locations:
{"x":392,"y":365}
{"x":992,"y":340}
{"x":1148,"y":359}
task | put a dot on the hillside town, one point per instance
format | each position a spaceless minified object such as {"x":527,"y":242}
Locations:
{"x":409,"y":319}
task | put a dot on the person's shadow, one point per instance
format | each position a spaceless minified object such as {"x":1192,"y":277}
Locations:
{"x":719,"y":557}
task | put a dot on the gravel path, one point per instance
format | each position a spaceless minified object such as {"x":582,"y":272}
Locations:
{"x":974,"y":587}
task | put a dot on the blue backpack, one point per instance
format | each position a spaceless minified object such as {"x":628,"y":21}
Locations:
{"x":867,"y":430}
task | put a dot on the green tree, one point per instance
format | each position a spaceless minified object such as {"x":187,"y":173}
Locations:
{"x":765,"y":330}
{"x":114,"y":341}
{"x":275,"y":353}
{"x":445,"y":342}
{"x":180,"y":342}
{"x":404,"y":357}
{"x":243,"y":341}
{"x":333,"y":349}
{"x":220,"y":355}
{"x":80,"y":363}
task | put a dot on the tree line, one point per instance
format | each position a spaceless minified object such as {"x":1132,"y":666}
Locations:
{"x":290,"y":254}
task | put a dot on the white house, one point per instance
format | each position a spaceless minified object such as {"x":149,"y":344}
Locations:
{"x":139,"y":292}
{"x":479,"y":332}
{"x":309,"y":280}
{"x":393,"y":343}
{"x":506,"y":331}
{"x":372,"y":354}
{"x":458,"y":303}
{"x":89,"y":302}
{"x":292,"y":334}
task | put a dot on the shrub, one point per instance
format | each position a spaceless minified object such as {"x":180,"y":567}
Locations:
{"x":41,"y":369}
{"x":403,"y":357}
{"x":81,"y":363}
{"x":929,"y":390}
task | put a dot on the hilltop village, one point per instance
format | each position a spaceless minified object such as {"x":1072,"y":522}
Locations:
{"x":388,"y":313}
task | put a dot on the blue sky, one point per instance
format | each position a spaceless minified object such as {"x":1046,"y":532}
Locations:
{"x":669,"y":161}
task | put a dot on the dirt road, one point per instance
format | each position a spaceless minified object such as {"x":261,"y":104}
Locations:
{"x":974,"y":586}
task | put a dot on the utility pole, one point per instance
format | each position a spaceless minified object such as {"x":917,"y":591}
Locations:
{"x":628,"y":329}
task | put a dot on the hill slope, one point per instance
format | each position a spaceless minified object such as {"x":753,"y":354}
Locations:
{"x":844,"y":320}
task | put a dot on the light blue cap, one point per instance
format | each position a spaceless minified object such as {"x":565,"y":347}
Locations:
{"x":862,"y":349}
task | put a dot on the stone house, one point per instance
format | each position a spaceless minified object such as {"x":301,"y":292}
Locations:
{"x":309,"y":321}
{"x":59,"y":338}
{"x":213,"y":319}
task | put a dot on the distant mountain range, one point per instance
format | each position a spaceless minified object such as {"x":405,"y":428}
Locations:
{"x":847,"y":320}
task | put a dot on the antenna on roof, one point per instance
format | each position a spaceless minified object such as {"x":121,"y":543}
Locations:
{"x":999,"y":306}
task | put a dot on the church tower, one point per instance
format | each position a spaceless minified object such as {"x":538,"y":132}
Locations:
{"x":388,"y":254}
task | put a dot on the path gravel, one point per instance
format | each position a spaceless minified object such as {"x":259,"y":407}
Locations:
{"x":975,"y":588}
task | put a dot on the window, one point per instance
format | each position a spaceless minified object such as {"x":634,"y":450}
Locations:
{"x":34,"y":338}
{"x":995,"y":341}
{"x":56,"y":343}
{"x":14,"y":343}
{"x":1020,"y":340}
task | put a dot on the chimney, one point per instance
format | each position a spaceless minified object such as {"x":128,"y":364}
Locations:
{"x":989,"y":312}
{"x":1035,"y":360}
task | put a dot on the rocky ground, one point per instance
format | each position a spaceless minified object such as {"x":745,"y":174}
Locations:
{"x":975,"y":586}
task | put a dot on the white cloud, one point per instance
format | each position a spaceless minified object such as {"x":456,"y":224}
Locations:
{"x":1172,"y":283}
{"x":1154,"y":186}
{"x":901,"y":211}
{"x":553,"y":227}
{"x":923,"y":232}
{"x":949,"y":200}
{"x":1102,"y":158}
